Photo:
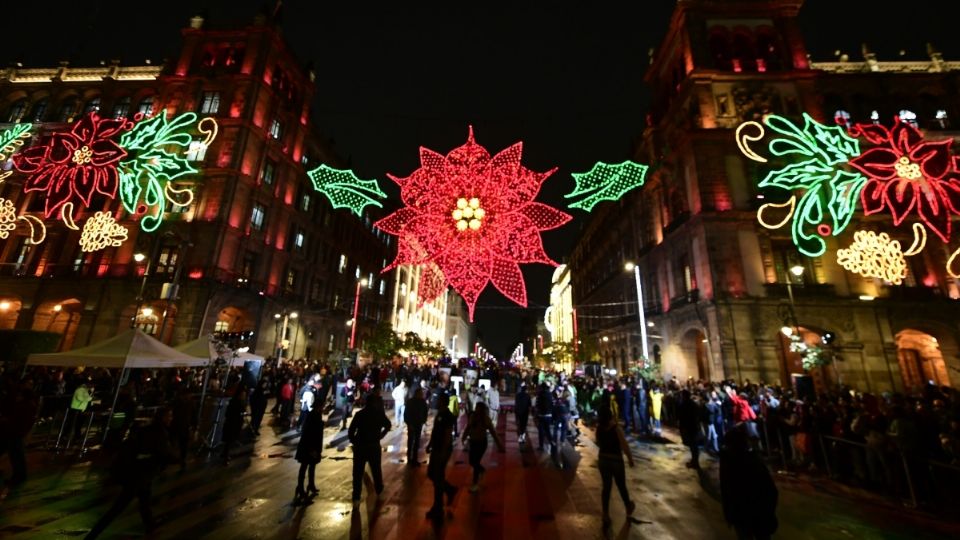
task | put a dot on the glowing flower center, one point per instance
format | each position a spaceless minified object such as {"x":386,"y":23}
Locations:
{"x":82,"y":155}
{"x":908,"y":170}
{"x":468,"y":214}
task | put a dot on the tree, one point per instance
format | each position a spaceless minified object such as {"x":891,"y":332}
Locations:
{"x":383,"y":343}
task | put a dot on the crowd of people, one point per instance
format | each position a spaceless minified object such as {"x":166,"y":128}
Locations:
{"x":738,"y":423}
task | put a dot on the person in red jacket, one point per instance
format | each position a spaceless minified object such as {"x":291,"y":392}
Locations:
{"x":286,"y":403}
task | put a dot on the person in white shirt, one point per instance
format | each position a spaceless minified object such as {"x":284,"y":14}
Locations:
{"x":399,"y":402}
{"x":493,"y":403}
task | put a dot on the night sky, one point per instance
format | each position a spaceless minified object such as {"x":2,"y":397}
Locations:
{"x":567,"y":81}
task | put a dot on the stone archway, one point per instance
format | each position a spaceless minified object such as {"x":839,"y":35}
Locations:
{"x":61,"y":317}
{"x":234,"y":319}
{"x":921,"y":360}
{"x":693,"y":346}
{"x":791,"y":361}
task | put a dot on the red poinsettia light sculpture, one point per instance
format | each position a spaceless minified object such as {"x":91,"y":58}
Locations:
{"x":907,"y":174}
{"x":473,"y":216}
{"x":75,"y":164}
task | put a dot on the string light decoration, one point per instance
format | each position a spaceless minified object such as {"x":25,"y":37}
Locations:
{"x":492,"y":245}
{"x":101,"y":231}
{"x":951,"y":264}
{"x":75,"y":164}
{"x":345,"y":190}
{"x":10,"y":142}
{"x":908,"y":175}
{"x":157,"y":150}
{"x":38,"y":231}
{"x":816,"y":154}
{"x":9,"y":219}
{"x":790,"y":205}
{"x":874,"y":255}
{"x":606,"y":182}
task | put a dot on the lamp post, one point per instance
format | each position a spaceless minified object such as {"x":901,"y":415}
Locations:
{"x":356,"y":306}
{"x":283,"y":319}
{"x":796,"y":270}
{"x":640,"y":314}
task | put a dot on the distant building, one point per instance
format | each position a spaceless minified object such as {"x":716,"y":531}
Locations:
{"x":459,"y":332}
{"x":428,"y":321}
{"x":558,"y":318}
{"x":256,"y":244}
{"x":715,"y":282}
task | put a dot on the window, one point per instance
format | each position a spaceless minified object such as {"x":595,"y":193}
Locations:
{"x":299,"y":240}
{"x":370,"y":281}
{"x":269,"y":172}
{"x":122,"y":108}
{"x":842,"y":118}
{"x":304,"y":160}
{"x":256,"y":217}
{"x":221,"y":326}
{"x":403,"y":289}
{"x":68,"y":110}
{"x":197,"y":150}
{"x":39,"y":111}
{"x":176,"y":208}
{"x":305,"y":202}
{"x":330,"y":344}
{"x":357,"y":273}
{"x":343,"y":263}
{"x":785,"y":257}
{"x":16,"y":111}
{"x":210,"y":103}
{"x":249,"y":264}
{"x":383,"y":287}
{"x":336,"y":300}
{"x":875,"y":117}
{"x":942,"y":120}
{"x":167,"y":260}
{"x":92,"y":106}
{"x":908,"y":117}
{"x":146,"y":106}
{"x":275,"y":129}
{"x":291,"y":280}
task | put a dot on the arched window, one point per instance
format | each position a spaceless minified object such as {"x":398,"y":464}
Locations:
{"x":39,"y":111}
{"x":908,"y":117}
{"x":122,"y":107}
{"x":92,"y":106}
{"x":15,"y":113}
{"x":744,"y":54}
{"x":942,"y":119}
{"x":146,"y":106}
{"x":842,"y":118}
{"x":719,"y":43}
{"x":768,"y":50}
{"x":68,"y":110}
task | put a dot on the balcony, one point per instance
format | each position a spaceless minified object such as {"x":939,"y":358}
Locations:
{"x":914,"y":294}
{"x":691,"y":297}
{"x":805,"y":290}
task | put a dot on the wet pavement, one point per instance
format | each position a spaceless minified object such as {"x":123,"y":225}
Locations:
{"x":523,"y":496}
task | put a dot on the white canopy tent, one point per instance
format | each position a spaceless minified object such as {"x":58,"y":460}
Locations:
{"x":203,"y":347}
{"x":129,"y":350}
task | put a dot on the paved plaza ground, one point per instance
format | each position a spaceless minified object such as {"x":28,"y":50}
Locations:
{"x":523,"y":496}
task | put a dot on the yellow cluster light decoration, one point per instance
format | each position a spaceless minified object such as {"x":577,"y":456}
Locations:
{"x":744,"y":140}
{"x":874,"y":255}
{"x":38,"y":231}
{"x":791,"y":205}
{"x":102,"y":231}
{"x":919,"y":240}
{"x":9,"y":219}
{"x":468,"y":214}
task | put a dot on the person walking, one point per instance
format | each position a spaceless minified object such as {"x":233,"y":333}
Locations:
{"x":399,"y":394}
{"x":286,"y":403}
{"x":309,"y":450}
{"x":493,"y":402}
{"x":142,"y":457}
{"x":476,"y":431}
{"x":233,"y":421}
{"x":82,"y":397}
{"x":366,"y":429}
{"x":544,"y":406}
{"x":521,"y":410}
{"x":612,"y":446}
{"x":440,"y":447}
{"x":747,"y":491}
{"x":455,"y":411}
{"x":258,"y":405}
{"x":308,"y":396}
{"x":656,"y":406}
{"x":688,"y":417}
{"x":348,"y":394}
{"x":415,"y":416}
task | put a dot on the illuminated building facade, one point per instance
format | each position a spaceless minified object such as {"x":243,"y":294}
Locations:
{"x":428,"y":321}
{"x":559,"y":316}
{"x":721,"y":291}
{"x":255,"y":246}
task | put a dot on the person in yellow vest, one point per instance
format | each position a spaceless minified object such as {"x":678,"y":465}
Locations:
{"x":656,"y":402}
{"x":455,"y":410}
{"x":78,"y":407}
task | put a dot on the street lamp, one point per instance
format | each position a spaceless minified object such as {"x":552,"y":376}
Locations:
{"x":640,"y":314}
{"x":796,"y":270}
{"x":356,"y":308}
{"x":282,"y":334}
{"x":139,"y":257}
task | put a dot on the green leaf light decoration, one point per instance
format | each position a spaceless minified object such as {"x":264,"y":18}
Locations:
{"x":158,"y":147}
{"x":606,"y":182}
{"x":10,"y":141}
{"x":823,"y":195}
{"x":345,"y":190}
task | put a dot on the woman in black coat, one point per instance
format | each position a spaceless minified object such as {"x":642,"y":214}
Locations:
{"x":308,"y":453}
{"x":746,"y":488}
{"x":688,"y":416}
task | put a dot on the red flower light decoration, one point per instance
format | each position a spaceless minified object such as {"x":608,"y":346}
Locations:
{"x":906,"y":174}
{"x":475,"y":218}
{"x":76,"y":163}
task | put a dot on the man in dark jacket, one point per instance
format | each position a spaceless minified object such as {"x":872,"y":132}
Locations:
{"x":143,"y":456}
{"x":688,"y":417}
{"x":366,"y":429}
{"x":544,"y":415}
{"x":521,"y":408}
{"x":17,"y":416}
{"x":440,"y":448}
{"x":415,"y":416}
{"x":748,"y":493}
